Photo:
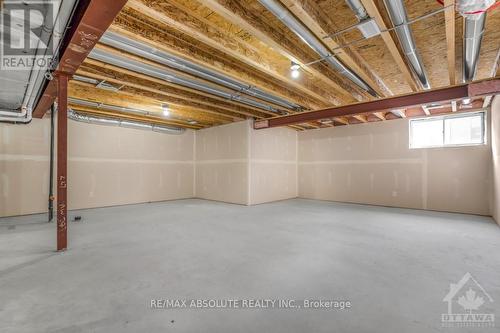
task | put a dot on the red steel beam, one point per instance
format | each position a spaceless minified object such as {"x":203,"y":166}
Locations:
{"x":474,"y":89}
{"x":92,"y":18}
{"x":62,"y":162}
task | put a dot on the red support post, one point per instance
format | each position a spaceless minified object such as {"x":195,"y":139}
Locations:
{"x":62,"y":161}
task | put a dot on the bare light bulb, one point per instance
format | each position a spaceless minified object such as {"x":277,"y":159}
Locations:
{"x":295,"y":70}
{"x":166,"y":110}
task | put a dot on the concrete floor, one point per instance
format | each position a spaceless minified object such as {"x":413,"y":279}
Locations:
{"x":393,"y":265}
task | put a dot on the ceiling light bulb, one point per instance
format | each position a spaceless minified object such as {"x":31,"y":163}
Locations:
{"x":295,"y":70}
{"x":166,"y":110}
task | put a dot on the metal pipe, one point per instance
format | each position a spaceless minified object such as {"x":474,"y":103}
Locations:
{"x":284,"y":15}
{"x":124,"y":123}
{"x":110,"y":107}
{"x":358,"y":8}
{"x":473,"y":36}
{"x":144,"y":50}
{"x":51,"y":163}
{"x":172,"y":77}
{"x":37,"y":75}
{"x":399,"y":19}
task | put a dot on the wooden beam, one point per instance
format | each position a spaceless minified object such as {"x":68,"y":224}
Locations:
{"x":141,"y":95}
{"x":313,"y":17}
{"x":200,"y":28}
{"x":88,"y":92}
{"x":182,"y":46}
{"x":242,"y":109}
{"x":62,"y":161}
{"x":342,"y":120}
{"x":449,"y":16}
{"x":380,"y":115}
{"x":237,"y":108}
{"x":159,"y":88}
{"x":361,"y":117}
{"x":128,"y":116}
{"x":236,"y":13}
{"x":374,"y":12}
{"x":91,"y":19}
{"x":426,"y":110}
{"x":469,"y":90}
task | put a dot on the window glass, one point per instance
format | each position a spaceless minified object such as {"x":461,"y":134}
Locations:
{"x":463,"y":130}
{"x":427,"y":133}
{"x":466,"y":129}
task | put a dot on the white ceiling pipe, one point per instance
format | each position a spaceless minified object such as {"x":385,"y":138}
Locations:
{"x":284,"y":15}
{"x":37,"y":75}
{"x":123,"y":123}
{"x":144,"y":50}
{"x":170,"y":76}
{"x":399,"y":19}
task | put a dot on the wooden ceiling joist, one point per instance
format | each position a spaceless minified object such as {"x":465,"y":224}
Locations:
{"x":240,"y":108}
{"x":175,"y":16}
{"x":140,"y":118}
{"x":157,"y":91}
{"x":256,"y":25}
{"x":449,"y":15}
{"x":132,"y":99}
{"x":321,"y":25}
{"x":374,"y":12}
{"x":210,"y":58}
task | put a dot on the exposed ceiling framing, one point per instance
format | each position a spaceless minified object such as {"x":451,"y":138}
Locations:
{"x":244,"y":42}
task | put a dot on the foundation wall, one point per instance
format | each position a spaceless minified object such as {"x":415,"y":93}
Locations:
{"x":222,"y":163}
{"x":372,"y":164}
{"x":106,"y":166}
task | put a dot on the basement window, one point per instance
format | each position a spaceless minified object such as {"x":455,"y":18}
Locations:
{"x":455,"y":130}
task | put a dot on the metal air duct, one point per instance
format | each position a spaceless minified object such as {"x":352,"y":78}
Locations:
{"x":172,"y":77}
{"x":144,"y":50}
{"x":399,"y":19}
{"x":473,"y":36}
{"x":123,"y":123}
{"x":109,"y":107}
{"x":358,"y":8}
{"x":284,"y":15}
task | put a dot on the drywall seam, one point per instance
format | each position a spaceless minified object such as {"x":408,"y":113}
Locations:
{"x":15,"y":158}
{"x":425,"y":180}
{"x":43,"y":158}
{"x":265,"y":161}
{"x":223,"y":161}
{"x":381,"y":161}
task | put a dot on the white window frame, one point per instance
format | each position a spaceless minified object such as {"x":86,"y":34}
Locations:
{"x":483,"y":114}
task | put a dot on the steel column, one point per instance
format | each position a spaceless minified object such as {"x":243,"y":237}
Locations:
{"x":62,"y":161}
{"x":51,"y":163}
